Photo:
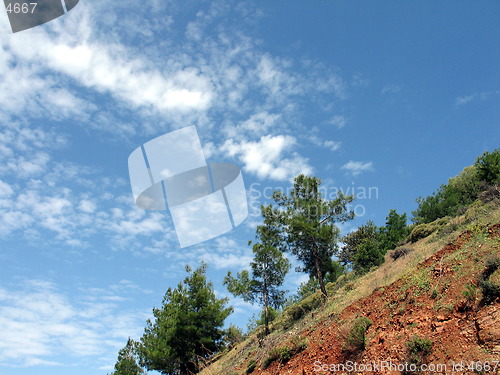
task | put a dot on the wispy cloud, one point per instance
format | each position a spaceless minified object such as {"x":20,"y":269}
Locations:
{"x":40,"y":325}
{"x":338,"y":121}
{"x":391,"y":89}
{"x":481,"y":96}
{"x":355,"y":168}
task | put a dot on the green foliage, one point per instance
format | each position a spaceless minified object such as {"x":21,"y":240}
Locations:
{"x":187,"y":328}
{"x":470,"y":294}
{"x":285,"y":353}
{"x":491,"y":265}
{"x":356,"y":338}
{"x":308,"y":222}
{"x":251,"y":365}
{"x":488,"y":167}
{"x":301,"y":308}
{"x":394,"y":231}
{"x":418,"y":349}
{"x":451,"y":199}
{"x":489,"y":289}
{"x":334,"y":271}
{"x":421,"y":231}
{"x":127,"y":361}
{"x":400,"y":251}
{"x":369,"y":254}
{"x":260,"y":319}
{"x":233,"y":336}
{"x":353,"y":240}
{"x":269,"y":268}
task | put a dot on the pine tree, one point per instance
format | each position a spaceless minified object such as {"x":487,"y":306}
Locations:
{"x":269,"y":268}
{"x":127,"y":361}
{"x":394,"y":231}
{"x":187,"y":330}
{"x":308,"y":221}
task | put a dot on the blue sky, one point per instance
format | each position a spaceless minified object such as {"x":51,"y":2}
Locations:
{"x":395,"y":96}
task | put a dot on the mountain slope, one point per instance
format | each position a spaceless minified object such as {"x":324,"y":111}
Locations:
{"x":425,"y":308}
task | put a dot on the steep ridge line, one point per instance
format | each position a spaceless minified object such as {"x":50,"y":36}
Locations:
{"x":427,"y":303}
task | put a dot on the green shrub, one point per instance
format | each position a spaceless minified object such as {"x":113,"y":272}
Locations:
{"x":233,"y":336}
{"x":447,"y":229}
{"x":400,"y":251}
{"x":418,"y":349}
{"x":251,"y":365}
{"x":490,"y":289}
{"x":421,"y":231}
{"x":470,"y":294}
{"x":282,"y":353}
{"x":491,"y":265}
{"x":356,"y":338}
{"x":285,"y":353}
{"x":301,"y":308}
{"x":369,"y":254}
{"x":488,"y":166}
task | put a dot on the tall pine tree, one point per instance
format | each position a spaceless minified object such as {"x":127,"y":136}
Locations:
{"x":308,"y":221}
{"x":269,"y":268}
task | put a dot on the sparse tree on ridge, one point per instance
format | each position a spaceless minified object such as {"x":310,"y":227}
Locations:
{"x":269,"y":268}
{"x":308,"y":221}
{"x":187,"y":328}
{"x":127,"y":361}
{"x":353,"y":240}
{"x":394,"y":231}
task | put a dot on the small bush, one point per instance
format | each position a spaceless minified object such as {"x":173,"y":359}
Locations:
{"x":251,"y":365}
{"x":421,"y":231}
{"x":470,"y":294}
{"x":283,"y":354}
{"x":447,"y":229}
{"x":401,"y":251}
{"x":301,"y":308}
{"x":491,"y":265}
{"x":491,"y":291}
{"x":418,"y":349}
{"x":356,"y":339}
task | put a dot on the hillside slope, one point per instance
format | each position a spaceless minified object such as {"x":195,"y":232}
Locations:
{"x":427,"y":307}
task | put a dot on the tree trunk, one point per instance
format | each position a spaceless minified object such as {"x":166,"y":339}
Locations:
{"x":266,"y":312}
{"x":320,"y":275}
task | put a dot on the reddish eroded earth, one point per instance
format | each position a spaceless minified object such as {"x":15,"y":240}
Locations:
{"x":429,"y":304}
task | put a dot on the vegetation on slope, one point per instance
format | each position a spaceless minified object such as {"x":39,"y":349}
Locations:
{"x":424,"y":256}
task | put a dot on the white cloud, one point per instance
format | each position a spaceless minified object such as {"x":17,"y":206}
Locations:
{"x":464,"y":100}
{"x":87,"y":206}
{"x":39,"y":323}
{"x":267,"y":157}
{"x":338,"y":121}
{"x":481,"y":96}
{"x":5,"y":189}
{"x":390,"y":89}
{"x":331,"y":145}
{"x":357,"y":167}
